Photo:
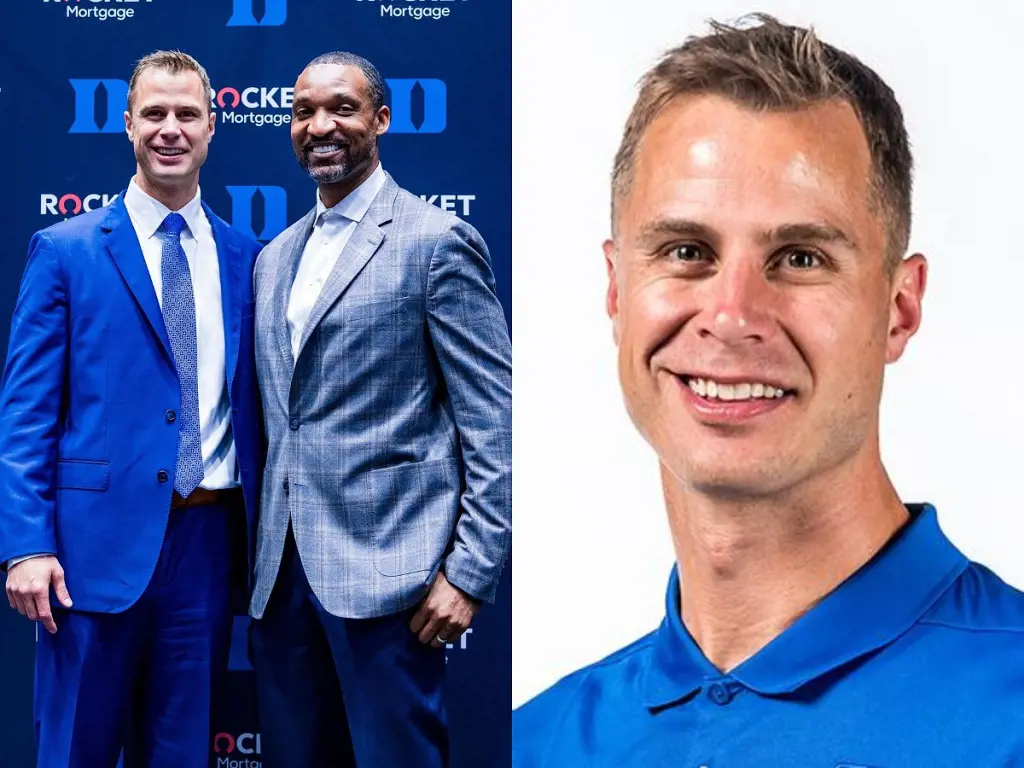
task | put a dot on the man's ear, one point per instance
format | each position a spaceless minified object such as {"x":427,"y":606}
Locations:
{"x":612,"y":295}
{"x":382,"y":120}
{"x":908,"y":285}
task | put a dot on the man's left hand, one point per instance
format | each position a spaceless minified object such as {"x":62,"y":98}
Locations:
{"x":444,"y":614}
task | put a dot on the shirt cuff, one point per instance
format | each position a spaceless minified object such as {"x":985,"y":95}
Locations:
{"x":15,"y":560}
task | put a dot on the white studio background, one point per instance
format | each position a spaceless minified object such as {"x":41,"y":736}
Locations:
{"x":592,"y":551}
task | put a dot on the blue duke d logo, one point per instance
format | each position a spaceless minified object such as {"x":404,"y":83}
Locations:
{"x":275,"y":210}
{"x":243,"y":14}
{"x":86,"y":92}
{"x":407,"y":95}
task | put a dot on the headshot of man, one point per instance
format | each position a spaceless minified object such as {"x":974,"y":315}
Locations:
{"x":385,"y":368}
{"x":130,"y":447}
{"x":758,"y":286}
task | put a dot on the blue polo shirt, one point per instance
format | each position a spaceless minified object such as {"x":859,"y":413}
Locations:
{"x":917,"y":660}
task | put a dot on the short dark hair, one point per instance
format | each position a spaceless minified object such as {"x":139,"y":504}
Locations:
{"x":373,"y":78}
{"x":776,"y":67}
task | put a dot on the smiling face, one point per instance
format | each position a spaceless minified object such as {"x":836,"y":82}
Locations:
{"x":170,"y":126}
{"x":335,"y":125}
{"x":749,"y":295}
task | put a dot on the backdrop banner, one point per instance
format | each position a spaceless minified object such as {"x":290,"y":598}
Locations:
{"x":64,"y":70}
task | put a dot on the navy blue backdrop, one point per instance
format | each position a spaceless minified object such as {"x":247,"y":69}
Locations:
{"x":64,"y":66}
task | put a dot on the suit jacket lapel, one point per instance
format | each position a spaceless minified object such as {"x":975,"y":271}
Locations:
{"x":361,"y":247}
{"x":288,"y":264}
{"x":122,"y":243}
{"x":229,"y":259}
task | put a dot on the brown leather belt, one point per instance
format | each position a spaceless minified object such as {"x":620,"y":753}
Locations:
{"x":201,"y":496}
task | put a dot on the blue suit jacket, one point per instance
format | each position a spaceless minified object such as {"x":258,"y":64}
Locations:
{"x":87,"y":453}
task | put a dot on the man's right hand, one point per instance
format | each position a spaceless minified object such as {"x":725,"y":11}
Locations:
{"x":28,"y":589}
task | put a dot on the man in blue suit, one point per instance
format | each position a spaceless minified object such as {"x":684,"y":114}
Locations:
{"x":130,"y":447}
{"x":385,"y":367}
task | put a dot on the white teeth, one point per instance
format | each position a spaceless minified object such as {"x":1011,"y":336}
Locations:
{"x":326,"y":149}
{"x":167,"y":151}
{"x":729,"y":392}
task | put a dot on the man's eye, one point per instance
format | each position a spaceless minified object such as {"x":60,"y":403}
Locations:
{"x":801,"y":258}
{"x":687,"y":253}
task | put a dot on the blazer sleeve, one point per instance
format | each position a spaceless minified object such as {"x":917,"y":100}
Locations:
{"x":31,"y":402}
{"x":467,"y":328}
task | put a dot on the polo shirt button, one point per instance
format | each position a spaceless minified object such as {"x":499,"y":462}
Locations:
{"x":719,"y":694}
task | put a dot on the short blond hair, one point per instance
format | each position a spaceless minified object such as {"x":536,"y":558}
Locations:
{"x":773,"y":67}
{"x":174,"y":62}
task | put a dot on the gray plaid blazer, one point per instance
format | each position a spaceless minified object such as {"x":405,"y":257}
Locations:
{"x":390,"y":442}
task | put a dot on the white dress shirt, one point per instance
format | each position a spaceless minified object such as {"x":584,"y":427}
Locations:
{"x":332,"y":229}
{"x":147,"y":214}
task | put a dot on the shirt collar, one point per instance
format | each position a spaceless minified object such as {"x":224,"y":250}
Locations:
{"x":357,"y":202}
{"x":150,"y":213}
{"x":873,"y":607}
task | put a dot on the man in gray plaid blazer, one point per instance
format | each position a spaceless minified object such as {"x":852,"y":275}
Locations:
{"x":384,"y":364}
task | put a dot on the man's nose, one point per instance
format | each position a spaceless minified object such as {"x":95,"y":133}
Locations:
{"x":737,"y":306}
{"x":170,"y":125}
{"x":321,"y":124}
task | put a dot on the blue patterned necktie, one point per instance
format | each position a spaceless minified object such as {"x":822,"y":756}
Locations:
{"x":179,"y":310}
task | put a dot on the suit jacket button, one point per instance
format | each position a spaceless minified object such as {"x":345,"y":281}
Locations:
{"x":293,"y":422}
{"x":162,"y":475}
{"x":170,"y":416}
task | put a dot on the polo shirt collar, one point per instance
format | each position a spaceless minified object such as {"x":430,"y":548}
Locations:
{"x":873,"y":607}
